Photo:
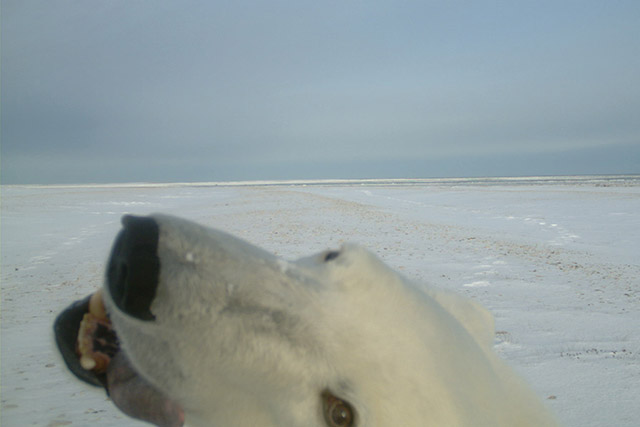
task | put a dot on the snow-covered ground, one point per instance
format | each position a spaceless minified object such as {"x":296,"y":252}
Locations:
{"x":557,"y":260}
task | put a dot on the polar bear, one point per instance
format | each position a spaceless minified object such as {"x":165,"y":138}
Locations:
{"x":227,"y":334}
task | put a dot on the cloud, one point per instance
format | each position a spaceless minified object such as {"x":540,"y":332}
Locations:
{"x":255,"y":89}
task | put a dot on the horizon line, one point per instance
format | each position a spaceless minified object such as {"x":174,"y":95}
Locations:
{"x":342,"y":181}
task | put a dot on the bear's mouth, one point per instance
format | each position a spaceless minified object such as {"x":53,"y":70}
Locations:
{"x":90,"y":348}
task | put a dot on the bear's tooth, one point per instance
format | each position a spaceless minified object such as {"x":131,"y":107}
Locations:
{"x":87,"y":362}
{"x":96,"y":305}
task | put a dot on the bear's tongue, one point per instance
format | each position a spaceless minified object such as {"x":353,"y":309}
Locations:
{"x":134,"y":396}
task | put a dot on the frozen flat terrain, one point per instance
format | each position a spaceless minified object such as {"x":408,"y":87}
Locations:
{"x":557,"y":261}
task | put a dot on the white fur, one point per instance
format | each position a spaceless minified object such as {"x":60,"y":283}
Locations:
{"x":242,"y":338}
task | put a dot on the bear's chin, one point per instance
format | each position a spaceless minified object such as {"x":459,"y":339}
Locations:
{"x":136,"y":397}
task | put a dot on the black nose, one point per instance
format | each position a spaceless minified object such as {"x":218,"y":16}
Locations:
{"x":134,"y":267}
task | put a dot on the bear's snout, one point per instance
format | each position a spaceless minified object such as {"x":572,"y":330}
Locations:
{"x":134,"y":267}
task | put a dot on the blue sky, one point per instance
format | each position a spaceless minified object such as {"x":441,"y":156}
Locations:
{"x":152,"y":90}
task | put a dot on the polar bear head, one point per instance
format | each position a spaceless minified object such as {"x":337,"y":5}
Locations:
{"x":239,"y":337}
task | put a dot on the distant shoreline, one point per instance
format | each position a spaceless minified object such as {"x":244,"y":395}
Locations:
{"x":596,"y":180}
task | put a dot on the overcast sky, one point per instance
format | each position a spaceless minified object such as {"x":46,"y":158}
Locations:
{"x":152,"y":90}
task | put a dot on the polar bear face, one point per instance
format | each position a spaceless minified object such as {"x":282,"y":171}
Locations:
{"x":240,"y":337}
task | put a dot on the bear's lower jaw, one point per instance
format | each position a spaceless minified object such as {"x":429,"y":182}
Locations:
{"x":137,"y":398}
{"x":80,"y":335}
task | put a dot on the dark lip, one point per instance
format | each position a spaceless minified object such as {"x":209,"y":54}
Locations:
{"x":131,"y":393}
{"x":65,"y":329}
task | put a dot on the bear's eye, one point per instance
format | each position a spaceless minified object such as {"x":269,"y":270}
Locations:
{"x":337,"y":412}
{"x":331,"y":255}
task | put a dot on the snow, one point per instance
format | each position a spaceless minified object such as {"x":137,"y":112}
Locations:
{"x":554,"y":258}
